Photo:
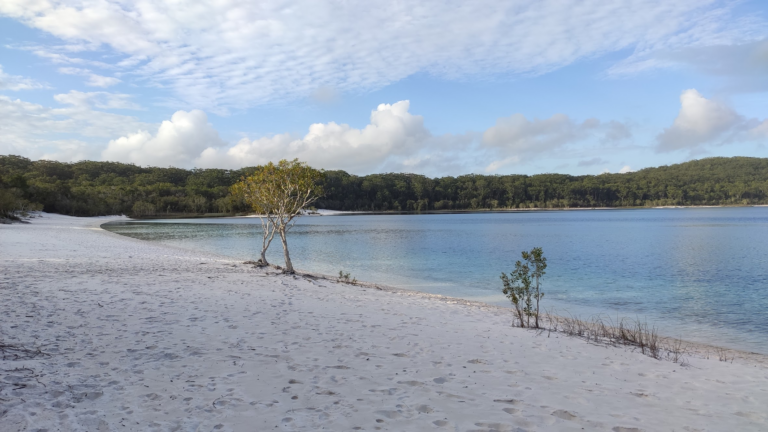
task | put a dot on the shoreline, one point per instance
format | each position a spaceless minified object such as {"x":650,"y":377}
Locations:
{"x":326,"y":212}
{"x":697,"y":349}
{"x":701,"y":347}
{"x":140,"y":336}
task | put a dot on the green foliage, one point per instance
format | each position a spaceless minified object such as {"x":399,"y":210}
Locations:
{"x":7,"y":205}
{"x":712,"y":181}
{"x":13,"y":205}
{"x":345,"y":278}
{"x":278,"y":194}
{"x":100,"y":188}
{"x":284,"y":188}
{"x":523,"y":286}
{"x":142,"y":208}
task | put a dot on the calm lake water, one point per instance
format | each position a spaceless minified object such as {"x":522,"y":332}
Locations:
{"x":700,"y":274}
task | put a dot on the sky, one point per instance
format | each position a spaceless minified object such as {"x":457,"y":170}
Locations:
{"x":432,"y":87}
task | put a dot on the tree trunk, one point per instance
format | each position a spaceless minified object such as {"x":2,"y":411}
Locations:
{"x":288,"y":264}
{"x":264,"y":246}
{"x":267,"y":236}
{"x":538,"y":299}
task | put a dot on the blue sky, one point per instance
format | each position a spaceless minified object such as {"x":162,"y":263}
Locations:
{"x":434,"y":87}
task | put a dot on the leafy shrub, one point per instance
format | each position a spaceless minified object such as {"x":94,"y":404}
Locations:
{"x":345,"y":277}
{"x":523,"y":286}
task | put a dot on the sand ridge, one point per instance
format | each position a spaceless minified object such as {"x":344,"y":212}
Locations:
{"x":139,"y":336}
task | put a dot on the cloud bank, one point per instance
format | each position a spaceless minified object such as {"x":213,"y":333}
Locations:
{"x":393,"y":132}
{"x":516,"y":139}
{"x":236,"y":54}
{"x":70,"y":133}
{"x":177,"y":142}
{"x":394,"y":140}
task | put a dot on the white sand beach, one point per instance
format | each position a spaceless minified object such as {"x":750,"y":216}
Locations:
{"x":137,"y":336}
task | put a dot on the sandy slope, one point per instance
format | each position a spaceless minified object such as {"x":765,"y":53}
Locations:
{"x":145,"y":337}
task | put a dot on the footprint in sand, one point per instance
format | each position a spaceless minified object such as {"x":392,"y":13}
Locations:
{"x":750,"y":415}
{"x":389,"y":391}
{"x":495,"y":426}
{"x":509,"y":401}
{"x":389,"y":414}
{"x":424,"y":409}
{"x":623,"y":429}
{"x":439,"y":380}
{"x":565,"y":415}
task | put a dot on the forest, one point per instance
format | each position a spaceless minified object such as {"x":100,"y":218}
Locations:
{"x":90,"y":188}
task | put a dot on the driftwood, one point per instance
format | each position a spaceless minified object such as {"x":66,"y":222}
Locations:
{"x":18,"y":352}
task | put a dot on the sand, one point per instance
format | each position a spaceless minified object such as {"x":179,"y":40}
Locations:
{"x":138,"y":336}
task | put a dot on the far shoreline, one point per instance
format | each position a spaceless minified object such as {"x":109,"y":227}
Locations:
{"x":426,"y":212}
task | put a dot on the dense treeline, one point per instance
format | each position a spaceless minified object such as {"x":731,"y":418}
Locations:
{"x":713,"y":181}
{"x":99,"y":188}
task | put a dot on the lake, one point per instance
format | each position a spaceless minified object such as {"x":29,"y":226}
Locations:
{"x":696,"y":273}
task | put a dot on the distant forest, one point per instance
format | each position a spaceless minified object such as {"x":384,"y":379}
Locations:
{"x":100,"y":188}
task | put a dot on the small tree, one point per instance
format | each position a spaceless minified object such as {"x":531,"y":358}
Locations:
{"x":523,"y":286}
{"x":278,"y":194}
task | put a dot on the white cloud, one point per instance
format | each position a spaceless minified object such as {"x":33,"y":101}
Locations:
{"x":395,"y":140}
{"x":71,"y":133}
{"x":624,"y":170}
{"x":219,"y":55}
{"x":177,"y":143}
{"x":393,"y":134}
{"x":94,"y":80}
{"x":101,"y":81}
{"x":101,"y":100}
{"x":15,"y":82}
{"x":700,"y":121}
{"x":759,"y":132}
{"x":520,"y":135}
{"x":743,"y":66}
{"x":516,"y":138}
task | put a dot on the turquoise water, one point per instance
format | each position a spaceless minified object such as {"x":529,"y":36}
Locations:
{"x":696,"y":273}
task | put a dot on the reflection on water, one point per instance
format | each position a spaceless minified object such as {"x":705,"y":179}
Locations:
{"x":697,"y":273}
